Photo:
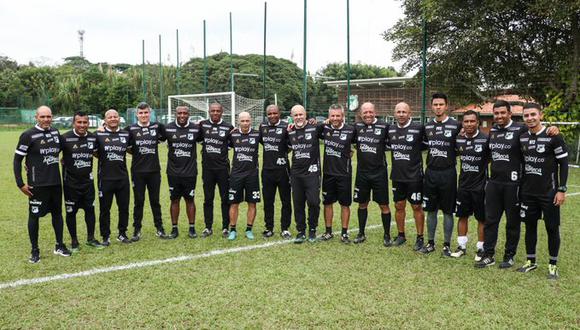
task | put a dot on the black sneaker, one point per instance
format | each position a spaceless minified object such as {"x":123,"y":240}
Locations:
{"x":106,"y":241}
{"x":174,"y":233}
{"x":192,"y":233}
{"x":485,"y":262}
{"x":446,"y":252}
{"x":507,"y":262}
{"x":460,"y":252}
{"x":206,"y":233}
{"x":419,"y":243}
{"x":75,"y":246}
{"x":387,"y":241}
{"x":225,"y":233}
{"x":160,"y":232}
{"x":312,"y":236}
{"x":326,"y":236}
{"x":300,"y":238}
{"x":34,"y":256}
{"x":427,"y":249}
{"x":528,"y":267}
{"x":479,"y":255}
{"x":286,"y":234}
{"x":124,"y":239}
{"x":360,"y":238}
{"x":95,"y":244}
{"x":267,"y":233}
{"x":345,"y":239}
{"x":136,"y":235}
{"x":61,"y":250}
{"x":400,"y":240}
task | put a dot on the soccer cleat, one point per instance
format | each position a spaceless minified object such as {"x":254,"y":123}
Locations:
{"x":460,"y":252}
{"x":95,"y":244}
{"x":232,"y":235}
{"x":174,"y":233}
{"x":250,"y":235}
{"x":225,"y":233}
{"x":123,"y":239}
{"x":61,"y":250}
{"x":136,"y":235}
{"x":106,"y":241}
{"x":446,"y":252}
{"x":312,"y":236}
{"x":553,"y":273}
{"x":192,"y":233}
{"x":427,"y":249}
{"x":160,"y":232}
{"x":478,"y":255}
{"x":267,"y":233}
{"x":419,"y":243}
{"x":387,"y":241}
{"x":286,"y":234}
{"x":34,"y":256}
{"x":360,"y":238}
{"x":300,"y":238}
{"x":400,"y":240}
{"x":75,"y":246}
{"x":345,"y":239}
{"x":206,"y":233}
{"x":326,"y":236}
{"x":528,"y":267}
{"x":507,"y":263}
{"x":485,"y":262}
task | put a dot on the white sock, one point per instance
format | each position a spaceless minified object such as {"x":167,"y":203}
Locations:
{"x":462,"y":241}
{"x":479,"y":245}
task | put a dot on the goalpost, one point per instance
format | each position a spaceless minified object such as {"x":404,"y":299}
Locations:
{"x":232,"y":104}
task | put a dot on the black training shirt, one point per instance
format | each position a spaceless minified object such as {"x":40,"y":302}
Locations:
{"x":143,"y":141}
{"x":474,"y":155}
{"x":112,"y":149}
{"x":371,"y":146}
{"x":275,"y":145}
{"x":305,"y":150}
{"x":337,"y":150}
{"x":506,"y":156}
{"x":41,"y":148}
{"x":406,"y":143}
{"x":77,"y":153}
{"x":440,"y":138}
{"x":182,"y":149}
{"x":215,"y":137}
{"x":246,"y":145}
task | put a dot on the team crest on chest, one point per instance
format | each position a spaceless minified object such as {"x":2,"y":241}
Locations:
{"x":509,"y":135}
{"x":153,"y":132}
{"x":123,"y":140}
{"x":409,"y":138}
{"x":477,"y":148}
{"x":56,"y":139}
{"x":90,"y":145}
{"x":308,"y":136}
{"x":278,"y":131}
{"x":252,"y":141}
{"x":343,"y":136}
{"x":447,"y":133}
{"x":222,"y":133}
{"x":541,"y":148}
{"x":377,"y":131}
{"x":190,"y":136}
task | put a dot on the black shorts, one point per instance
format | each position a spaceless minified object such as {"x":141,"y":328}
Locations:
{"x":471,"y":202}
{"x":336,"y":188}
{"x":533,"y":208}
{"x":411,"y":191}
{"x":366,"y":182}
{"x":439,"y":190}
{"x":45,"y":200}
{"x":247,"y":186}
{"x":78,"y":196}
{"x":181,"y":187}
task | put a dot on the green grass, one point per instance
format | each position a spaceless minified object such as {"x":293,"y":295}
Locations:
{"x":323,"y":285}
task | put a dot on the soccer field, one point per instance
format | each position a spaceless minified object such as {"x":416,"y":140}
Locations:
{"x":214,"y":283}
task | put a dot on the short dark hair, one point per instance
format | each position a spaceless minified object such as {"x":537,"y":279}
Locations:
{"x":336,"y":107}
{"x":79,"y":114}
{"x":143,"y":105}
{"x":471,"y":112}
{"x":532,"y":105}
{"x":502,"y":103}
{"x":439,"y":96}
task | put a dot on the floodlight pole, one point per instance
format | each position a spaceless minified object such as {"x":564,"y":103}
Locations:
{"x":204,"y":61}
{"x":424,"y":70}
{"x":305,"y":78}
{"x":347,"y":56}
{"x":160,"y":77}
{"x":177,"y":73}
{"x":231,"y":57}
{"x":144,"y":76}
{"x":264,"y":58}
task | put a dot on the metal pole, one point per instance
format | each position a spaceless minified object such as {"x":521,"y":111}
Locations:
{"x":264,"y":61}
{"x":231,"y":57}
{"x":424,"y":71}
{"x":305,"y":78}
{"x":204,"y":61}
{"x":347,"y":56}
{"x":144,"y":76}
{"x":160,"y":77}
{"x":177,"y":73}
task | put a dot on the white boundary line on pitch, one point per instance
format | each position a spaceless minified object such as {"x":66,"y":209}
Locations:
{"x":150,"y":263}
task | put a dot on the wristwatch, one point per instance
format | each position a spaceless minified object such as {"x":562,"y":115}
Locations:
{"x":562,"y":189}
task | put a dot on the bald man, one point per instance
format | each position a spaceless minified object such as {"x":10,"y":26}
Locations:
{"x":406,"y":144}
{"x":244,"y":183}
{"x":40,"y":145}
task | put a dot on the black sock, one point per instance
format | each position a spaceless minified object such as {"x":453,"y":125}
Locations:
{"x":533,"y":260}
{"x":249,"y":227}
{"x":362,"y":220}
{"x":419,"y":236}
{"x":329,"y":230}
{"x":174,"y":226}
{"x":344,"y":231}
{"x":432,"y":242}
{"x":57,"y":225}
{"x":553,"y":262}
{"x":233,"y":228}
{"x":401,"y":234}
{"x":447,"y":244}
{"x":386,"y":218}
{"x":33,"y":231}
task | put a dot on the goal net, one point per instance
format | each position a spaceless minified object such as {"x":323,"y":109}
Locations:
{"x":232,"y":104}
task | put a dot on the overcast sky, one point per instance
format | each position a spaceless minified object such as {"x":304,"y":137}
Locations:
{"x":46,"y":31}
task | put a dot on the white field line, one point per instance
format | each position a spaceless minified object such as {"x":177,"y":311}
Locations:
{"x":150,"y":263}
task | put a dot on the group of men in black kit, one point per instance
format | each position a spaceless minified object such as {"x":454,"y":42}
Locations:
{"x":527,"y":179}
